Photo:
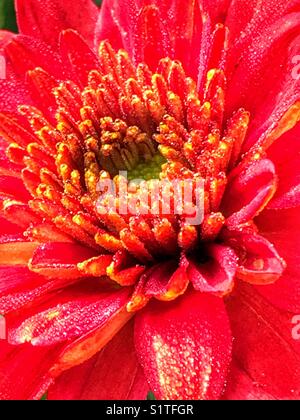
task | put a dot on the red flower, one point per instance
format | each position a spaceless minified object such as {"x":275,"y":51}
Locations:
{"x":199,"y":90}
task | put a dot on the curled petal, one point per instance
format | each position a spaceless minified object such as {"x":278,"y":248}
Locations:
{"x":249,"y":191}
{"x":124,"y":270}
{"x":165,"y":281}
{"x":7,"y":168}
{"x":281,"y":228}
{"x":217,"y":274}
{"x":14,"y":250}
{"x":19,"y":213}
{"x":259,"y":262}
{"x":171,"y":286}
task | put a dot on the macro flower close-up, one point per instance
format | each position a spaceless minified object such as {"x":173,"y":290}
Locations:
{"x":149,"y":200}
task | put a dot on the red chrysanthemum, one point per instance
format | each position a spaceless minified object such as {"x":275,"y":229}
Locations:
{"x":110,"y":305}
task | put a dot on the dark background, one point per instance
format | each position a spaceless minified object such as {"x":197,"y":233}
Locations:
{"x":7,"y":14}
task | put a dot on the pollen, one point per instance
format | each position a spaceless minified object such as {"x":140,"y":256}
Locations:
{"x":52,"y":315}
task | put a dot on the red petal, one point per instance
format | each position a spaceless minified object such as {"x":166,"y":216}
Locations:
{"x":69,"y":320}
{"x":28,"y":53}
{"x":282,"y":228}
{"x":285,"y":154}
{"x":13,"y":92}
{"x":217,"y":9}
{"x":113,"y":374}
{"x":19,"y":213}
{"x":45,"y":19}
{"x":24,"y":371}
{"x":47,"y":232}
{"x":151,"y":41}
{"x":21,"y":287}
{"x":248,"y":18}
{"x":81,"y":58}
{"x":168,"y":281}
{"x":240,"y":386}
{"x":27,"y":289}
{"x":18,"y":278}
{"x":86,"y":346}
{"x":259,"y":262}
{"x":41,"y":86}
{"x":8,"y":228}
{"x":264,"y":347}
{"x":170,"y":28}
{"x":184,"y":346}
{"x":262,"y":80}
{"x":13,"y":131}
{"x":35,"y":292}
{"x":248,"y":192}
{"x":217,"y":274}
{"x":14,"y":250}
{"x":59,"y":260}
{"x":165,"y":281}
{"x":110,"y":25}
{"x":124,"y":270}
{"x":7,"y":168}
{"x":14,"y":187}
{"x":273,"y":109}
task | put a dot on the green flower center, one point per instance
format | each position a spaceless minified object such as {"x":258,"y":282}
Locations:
{"x":148,"y":170}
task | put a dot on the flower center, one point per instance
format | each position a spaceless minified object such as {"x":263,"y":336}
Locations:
{"x":121,"y":147}
{"x":153,"y":126}
{"x":148,"y":170}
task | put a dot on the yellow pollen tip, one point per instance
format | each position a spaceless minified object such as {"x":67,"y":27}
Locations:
{"x":211,"y":74}
{"x":52,"y":315}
